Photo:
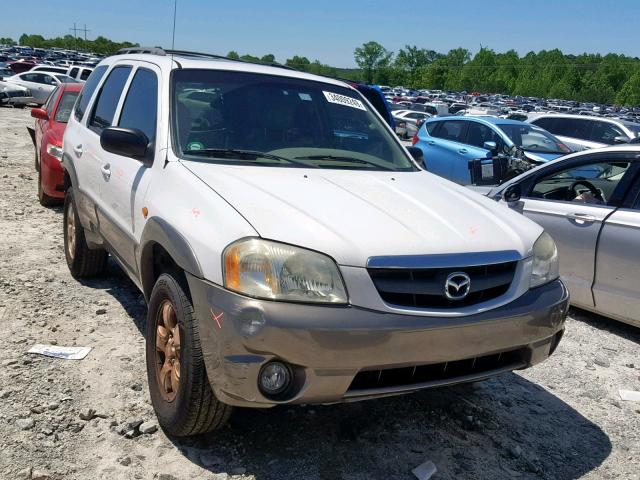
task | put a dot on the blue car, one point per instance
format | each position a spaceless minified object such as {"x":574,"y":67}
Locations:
{"x":449,"y":143}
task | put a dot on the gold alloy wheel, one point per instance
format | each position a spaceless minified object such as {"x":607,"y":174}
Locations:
{"x":71,"y":231}
{"x":167,"y":351}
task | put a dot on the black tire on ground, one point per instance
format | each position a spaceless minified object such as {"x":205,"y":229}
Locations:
{"x":44,"y":199}
{"x":81,"y":260}
{"x":191,"y":408}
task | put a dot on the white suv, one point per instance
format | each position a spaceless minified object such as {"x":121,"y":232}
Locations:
{"x":290,"y":248}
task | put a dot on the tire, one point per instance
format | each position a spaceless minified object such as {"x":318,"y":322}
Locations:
{"x":44,"y":199}
{"x":188,"y":406}
{"x":82,"y":261}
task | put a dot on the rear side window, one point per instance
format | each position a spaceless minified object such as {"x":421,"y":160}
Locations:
{"x":547,"y":123}
{"x":85,"y":74}
{"x":74,"y":72}
{"x":141,"y":104}
{"x":107,"y":101}
{"x":87,"y":91}
{"x":453,"y":130}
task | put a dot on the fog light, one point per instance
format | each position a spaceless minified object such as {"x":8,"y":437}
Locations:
{"x":275,"y":378}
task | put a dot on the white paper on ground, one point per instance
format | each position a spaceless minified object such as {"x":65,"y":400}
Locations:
{"x":425,"y":471}
{"x":629,"y":395}
{"x":67,"y":353}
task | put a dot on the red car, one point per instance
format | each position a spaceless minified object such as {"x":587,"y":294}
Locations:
{"x":51,"y":120}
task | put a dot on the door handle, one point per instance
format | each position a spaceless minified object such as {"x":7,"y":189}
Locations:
{"x":431,"y":142}
{"x":581,"y":217}
{"x":78,"y":150}
{"x":106,"y":172}
{"x":463,"y":150}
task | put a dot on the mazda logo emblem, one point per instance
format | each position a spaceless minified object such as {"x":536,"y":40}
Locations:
{"x":457,"y":286}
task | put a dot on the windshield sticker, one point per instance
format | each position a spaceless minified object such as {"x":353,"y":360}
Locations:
{"x":195,"y":146}
{"x":305,"y":96}
{"x":343,"y":100}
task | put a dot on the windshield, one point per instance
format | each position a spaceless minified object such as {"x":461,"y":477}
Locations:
{"x":234,"y":117}
{"x":65,"y":106}
{"x":533,"y":139}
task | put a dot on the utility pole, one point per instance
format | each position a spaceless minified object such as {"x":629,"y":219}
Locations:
{"x":75,"y":36}
{"x":75,"y":31}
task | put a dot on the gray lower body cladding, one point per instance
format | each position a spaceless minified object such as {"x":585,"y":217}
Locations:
{"x":348,"y":353}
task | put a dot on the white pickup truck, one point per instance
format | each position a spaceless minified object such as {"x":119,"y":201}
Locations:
{"x":290,"y":248}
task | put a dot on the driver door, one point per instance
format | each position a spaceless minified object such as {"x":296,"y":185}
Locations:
{"x":563,"y":204}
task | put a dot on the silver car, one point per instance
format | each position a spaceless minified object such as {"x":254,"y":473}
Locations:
{"x":590,"y":204}
{"x":41,"y":84}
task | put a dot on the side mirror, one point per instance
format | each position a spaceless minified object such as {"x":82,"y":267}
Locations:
{"x":512,"y":193}
{"x":128,"y":142}
{"x":39,"y":113}
{"x":491,"y":146}
{"x":418,"y":156}
{"x":621,"y":139}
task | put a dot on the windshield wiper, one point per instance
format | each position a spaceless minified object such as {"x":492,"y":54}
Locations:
{"x":345,"y":159}
{"x":244,"y":155}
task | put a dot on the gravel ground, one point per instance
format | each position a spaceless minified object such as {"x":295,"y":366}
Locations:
{"x":61,"y":419}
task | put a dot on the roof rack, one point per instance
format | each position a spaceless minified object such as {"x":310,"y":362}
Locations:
{"x":188,"y":53}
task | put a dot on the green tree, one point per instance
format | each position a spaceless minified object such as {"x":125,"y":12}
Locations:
{"x":7,"y":41}
{"x":270,"y":58}
{"x":233,"y":55}
{"x":629,"y":94}
{"x":371,"y":57}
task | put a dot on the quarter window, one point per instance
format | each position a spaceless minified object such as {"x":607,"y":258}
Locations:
{"x":87,"y":91}
{"x":141,"y":105}
{"x":107,"y":101}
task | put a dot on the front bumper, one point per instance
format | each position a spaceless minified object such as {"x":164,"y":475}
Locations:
{"x":334,"y":350}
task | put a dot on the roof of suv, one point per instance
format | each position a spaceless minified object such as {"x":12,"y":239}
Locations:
{"x":173,"y":60}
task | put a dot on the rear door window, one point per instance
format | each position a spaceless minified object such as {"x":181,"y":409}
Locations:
{"x":108,"y":97}
{"x":87,"y":91}
{"x":573,"y":127}
{"x":74,"y":72}
{"x":85,"y":74}
{"x":452,"y":130}
{"x":141,"y":104}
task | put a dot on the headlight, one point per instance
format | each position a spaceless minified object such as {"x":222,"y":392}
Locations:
{"x":275,"y":271}
{"x":545,"y":261}
{"x":54,"y":151}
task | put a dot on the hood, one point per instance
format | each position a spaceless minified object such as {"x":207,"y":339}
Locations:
{"x":543,"y":157}
{"x":353,"y":215}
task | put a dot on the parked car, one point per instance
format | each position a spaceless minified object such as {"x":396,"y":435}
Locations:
{"x":581,"y":132}
{"x":12,"y":94}
{"x":41,"y":84}
{"x":47,"y":134}
{"x":289,"y":247}
{"x":408,"y":122}
{"x":79,"y":72}
{"x":590,"y":203}
{"x":450,"y":143}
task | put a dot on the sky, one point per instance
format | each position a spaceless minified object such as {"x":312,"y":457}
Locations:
{"x":330,"y":30}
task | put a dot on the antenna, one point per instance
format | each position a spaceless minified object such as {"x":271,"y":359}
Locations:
{"x":173,"y":35}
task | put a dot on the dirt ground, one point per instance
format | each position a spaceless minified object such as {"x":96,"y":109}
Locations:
{"x":562,"y":419}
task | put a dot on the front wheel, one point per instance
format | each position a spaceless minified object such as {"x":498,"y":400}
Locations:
{"x":180,"y":392}
{"x":44,"y":199}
